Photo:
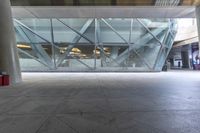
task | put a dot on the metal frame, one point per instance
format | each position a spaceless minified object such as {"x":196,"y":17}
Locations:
{"x":53,"y":44}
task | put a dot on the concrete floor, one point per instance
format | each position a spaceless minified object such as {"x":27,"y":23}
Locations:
{"x":167,"y":102}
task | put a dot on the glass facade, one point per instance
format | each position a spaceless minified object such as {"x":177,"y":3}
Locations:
{"x":94,"y":44}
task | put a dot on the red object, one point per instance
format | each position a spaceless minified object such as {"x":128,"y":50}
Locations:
{"x":1,"y":80}
{"x":6,"y":80}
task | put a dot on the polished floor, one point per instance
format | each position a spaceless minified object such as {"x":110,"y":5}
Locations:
{"x":167,"y":102}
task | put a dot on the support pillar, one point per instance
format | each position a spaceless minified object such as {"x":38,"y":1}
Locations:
{"x":185,"y":57}
{"x":198,"y":23}
{"x":9,"y":60}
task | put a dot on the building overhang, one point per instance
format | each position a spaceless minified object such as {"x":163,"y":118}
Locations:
{"x":103,"y":12}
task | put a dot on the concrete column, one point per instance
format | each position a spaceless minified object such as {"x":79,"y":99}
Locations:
{"x":9,"y":60}
{"x":198,"y":24}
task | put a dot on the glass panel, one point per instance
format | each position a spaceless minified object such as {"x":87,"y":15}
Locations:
{"x":148,"y":54}
{"x":29,"y":64}
{"x":82,"y":56}
{"x":169,"y":40}
{"x":113,"y":43}
{"x":161,"y":59}
{"x":41,"y":27}
{"x":113,"y":30}
{"x":157,"y":27}
{"x":137,"y":63}
{"x":72,"y":47}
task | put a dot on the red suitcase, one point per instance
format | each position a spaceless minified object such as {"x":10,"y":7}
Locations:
{"x":6,"y":80}
{"x":1,"y":80}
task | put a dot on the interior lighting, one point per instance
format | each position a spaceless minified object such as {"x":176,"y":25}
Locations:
{"x":23,"y":46}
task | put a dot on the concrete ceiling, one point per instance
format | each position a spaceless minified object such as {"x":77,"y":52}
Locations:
{"x":102,"y":12}
{"x":99,"y":2}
